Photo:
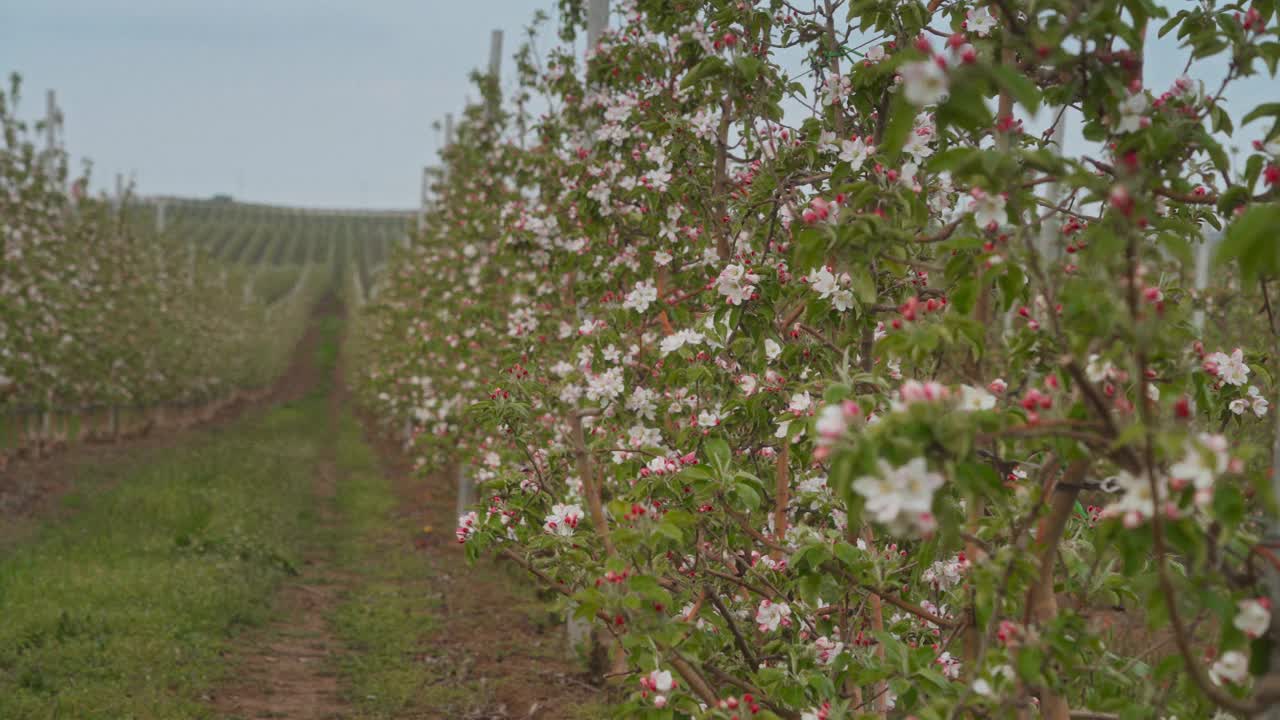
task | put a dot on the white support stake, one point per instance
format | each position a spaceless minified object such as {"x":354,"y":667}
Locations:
{"x":1047,"y":244}
{"x":1272,"y":540}
{"x":466,"y":491}
{"x":448,"y":139}
{"x":495,"y":68}
{"x":1204,"y":257}
{"x":495,"y":53}
{"x":597,"y":21}
{"x":52,"y":121}
{"x":424,"y":199}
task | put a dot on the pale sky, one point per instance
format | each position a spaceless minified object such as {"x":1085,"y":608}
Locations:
{"x":325,"y":103}
{"x":300,"y":102}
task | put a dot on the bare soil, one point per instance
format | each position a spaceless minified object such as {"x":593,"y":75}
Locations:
{"x":496,"y":652}
{"x":495,"y":633}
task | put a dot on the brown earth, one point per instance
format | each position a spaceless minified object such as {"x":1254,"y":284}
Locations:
{"x":496,"y":652}
{"x":495,"y":634}
{"x":288,"y":669}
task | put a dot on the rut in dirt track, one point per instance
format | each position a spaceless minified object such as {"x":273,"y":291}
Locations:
{"x":288,"y":670}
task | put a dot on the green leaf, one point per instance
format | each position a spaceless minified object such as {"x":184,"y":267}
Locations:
{"x":718,"y":453}
{"x":902,"y":118}
{"x":749,"y":66}
{"x":747,"y":494}
{"x":1251,"y":240}
{"x":1019,"y":86}
{"x":1263,"y":110}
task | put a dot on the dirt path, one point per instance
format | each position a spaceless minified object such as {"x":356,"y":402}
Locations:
{"x":288,"y":669}
{"x":495,"y":636}
{"x":387,"y":619}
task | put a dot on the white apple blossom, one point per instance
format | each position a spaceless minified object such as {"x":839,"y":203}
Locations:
{"x":924,"y":82}
{"x":563,"y":520}
{"x":1231,"y":369}
{"x":1098,"y":369}
{"x":467,"y":526}
{"x":1232,"y":667}
{"x":1205,"y":459}
{"x":772,"y":349}
{"x":854,"y":152}
{"x":917,"y":144}
{"x":1137,"y":504}
{"x":900,"y":496}
{"x":972,"y":398}
{"x":770,"y":615}
{"x":1131,"y":112}
{"x":827,"y":649}
{"x":1253,"y":400}
{"x":679,"y":339}
{"x":823,"y":281}
{"x":640,"y":298}
{"x":800,"y":403}
{"x":661,"y":681}
{"x":1254,"y":617}
{"x":708,"y":418}
{"x":987,"y":208}
{"x":606,"y":385}
{"x":980,"y":21}
{"x":831,"y":422}
{"x":736,"y":284}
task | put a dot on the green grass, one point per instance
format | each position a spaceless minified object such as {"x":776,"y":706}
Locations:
{"x":397,"y":667}
{"x":122,"y":611}
{"x":384,"y":618}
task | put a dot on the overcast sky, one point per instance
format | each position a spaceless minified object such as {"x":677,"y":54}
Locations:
{"x":324,"y":103}
{"x":302,"y":102}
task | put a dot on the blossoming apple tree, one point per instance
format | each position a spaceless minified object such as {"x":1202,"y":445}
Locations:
{"x":784,"y":350}
{"x":94,"y":312}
